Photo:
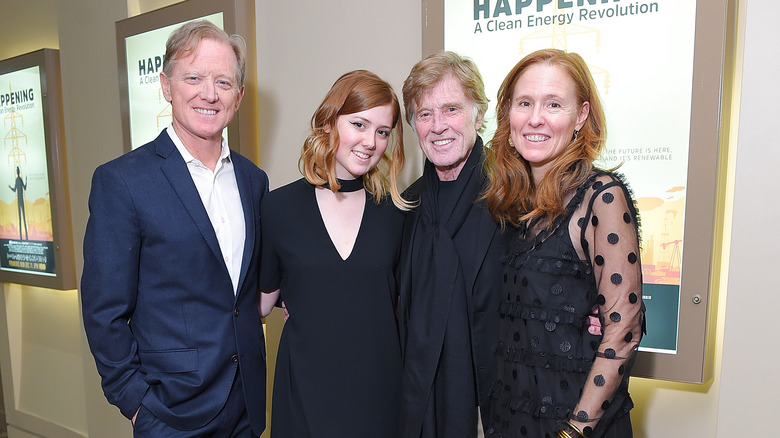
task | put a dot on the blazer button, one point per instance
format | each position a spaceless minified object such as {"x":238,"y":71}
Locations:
{"x":235,"y":311}
{"x":234,"y":358}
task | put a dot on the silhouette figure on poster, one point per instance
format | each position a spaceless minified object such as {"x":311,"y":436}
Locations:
{"x":19,"y":188}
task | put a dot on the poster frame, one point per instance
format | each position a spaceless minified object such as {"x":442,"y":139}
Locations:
{"x":64,"y":277}
{"x":694,"y":360}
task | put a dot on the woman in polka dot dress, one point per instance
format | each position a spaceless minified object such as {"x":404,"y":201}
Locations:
{"x":572,"y":243}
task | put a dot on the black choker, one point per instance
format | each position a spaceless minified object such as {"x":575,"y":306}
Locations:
{"x":348,"y":185}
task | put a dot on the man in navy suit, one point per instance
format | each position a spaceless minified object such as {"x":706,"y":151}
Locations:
{"x":171,"y":256}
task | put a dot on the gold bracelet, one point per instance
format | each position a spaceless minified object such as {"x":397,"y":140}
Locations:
{"x":576,"y":429}
{"x":564,"y":434}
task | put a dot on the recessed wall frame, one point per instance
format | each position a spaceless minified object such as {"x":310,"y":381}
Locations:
{"x":481,"y":30}
{"x":36,"y":243}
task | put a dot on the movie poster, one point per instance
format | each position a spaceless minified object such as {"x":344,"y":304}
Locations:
{"x":641,"y":56}
{"x":149,"y":111}
{"x":26,"y":236}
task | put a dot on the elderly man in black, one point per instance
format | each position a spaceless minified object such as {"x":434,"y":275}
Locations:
{"x":450,"y":272}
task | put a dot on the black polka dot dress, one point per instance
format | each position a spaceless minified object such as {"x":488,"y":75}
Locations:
{"x":550,"y":368}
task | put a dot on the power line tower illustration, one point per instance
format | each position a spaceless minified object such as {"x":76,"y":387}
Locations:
{"x":165,"y":115}
{"x":14,"y":139}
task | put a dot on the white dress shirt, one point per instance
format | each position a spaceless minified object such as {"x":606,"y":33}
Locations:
{"x":219,"y":193}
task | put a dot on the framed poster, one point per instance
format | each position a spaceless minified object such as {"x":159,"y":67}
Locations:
{"x":36,"y":246}
{"x":658,"y":66}
{"x":141,"y":48}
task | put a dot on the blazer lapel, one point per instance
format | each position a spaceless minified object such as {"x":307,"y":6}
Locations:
{"x":175,"y":169}
{"x":486,"y":234}
{"x":247,"y":203}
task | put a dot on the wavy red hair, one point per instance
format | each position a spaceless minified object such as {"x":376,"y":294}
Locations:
{"x":353,"y":92}
{"x":512,"y":196}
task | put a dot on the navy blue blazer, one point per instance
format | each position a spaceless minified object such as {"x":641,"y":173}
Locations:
{"x":159,"y":311}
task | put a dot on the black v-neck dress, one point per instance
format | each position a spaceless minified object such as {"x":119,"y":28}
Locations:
{"x":338,"y":368}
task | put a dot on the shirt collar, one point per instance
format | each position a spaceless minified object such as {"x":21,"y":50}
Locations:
{"x":224,"y":155}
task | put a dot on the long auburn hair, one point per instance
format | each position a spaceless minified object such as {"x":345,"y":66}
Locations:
{"x":511,"y":195}
{"x":353,"y":92}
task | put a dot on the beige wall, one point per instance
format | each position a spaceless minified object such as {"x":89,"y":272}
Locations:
{"x":750,"y":389}
{"x":51,"y":387}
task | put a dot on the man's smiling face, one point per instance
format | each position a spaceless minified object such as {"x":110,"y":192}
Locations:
{"x":446,"y":126}
{"x":204,"y":92}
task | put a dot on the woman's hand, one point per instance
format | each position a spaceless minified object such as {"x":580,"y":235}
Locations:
{"x":594,"y":323}
{"x":266,"y":302}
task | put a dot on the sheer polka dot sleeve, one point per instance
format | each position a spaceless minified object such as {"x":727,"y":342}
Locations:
{"x":611,"y":241}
